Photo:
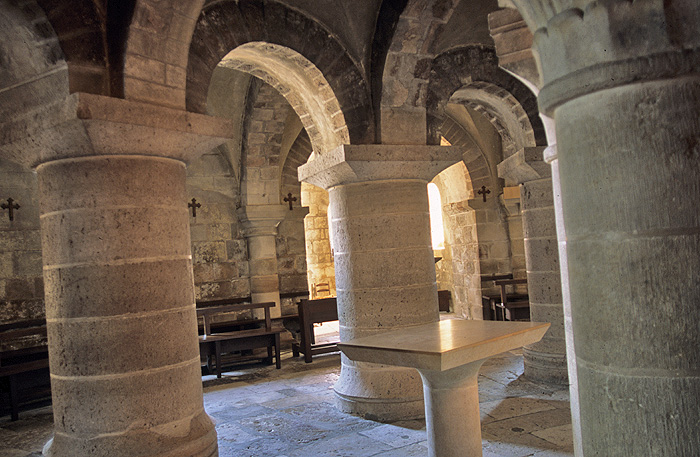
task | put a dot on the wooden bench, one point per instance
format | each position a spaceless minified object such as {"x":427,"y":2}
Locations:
{"x":217,"y":343}
{"x":25,"y":368}
{"x":314,"y":312}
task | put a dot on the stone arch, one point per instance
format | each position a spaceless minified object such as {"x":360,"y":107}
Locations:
{"x":287,"y":49}
{"x":301,"y":83}
{"x":504,"y":112}
{"x":262,"y":140}
{"x":93,"y":45}
{"x":477,"y":165}
{"x":155,"y":57}
{"x":33,"y":74}
{"x":477,"y":66}
{"x":406,"y":71}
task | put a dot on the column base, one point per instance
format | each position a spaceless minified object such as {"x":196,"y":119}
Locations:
{"x":546,"y":368}
{"x":379,"y":392}
{"x":199,"y":442}
{"x":381,"y":410}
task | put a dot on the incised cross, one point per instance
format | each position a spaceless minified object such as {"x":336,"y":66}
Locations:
{"x":290,"y":199}
{"x":194,"y":205}
{"x":483,"y":192}
{"x":12,"y":206}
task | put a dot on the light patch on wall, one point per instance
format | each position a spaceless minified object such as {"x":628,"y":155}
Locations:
{"x":437,"y":231}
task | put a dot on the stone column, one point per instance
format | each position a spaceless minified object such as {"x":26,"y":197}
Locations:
{"x":120,"y":307}
{"x":385,"y":270}
{"x":622,"y":83}
{"x":545,"y":361}
{"x":550,"y":156}
{"x":260,"y":224}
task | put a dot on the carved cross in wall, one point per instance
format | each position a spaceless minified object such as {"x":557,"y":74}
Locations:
{"x":290,"y":199}
{"x":194,"y":205}
{"x":12,"y":206}
{"x":483,"y":192}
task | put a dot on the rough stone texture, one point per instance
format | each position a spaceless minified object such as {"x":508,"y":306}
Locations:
{"x":649,"y":253}
{"x":290,"y":29}
{"x":319,"y":254}
{"x":263,"y":137}
{"x":260,"y":226}
{"x":219,"y":249}
{"x":545,"y":361}
{"x":291,"y":255}
{"x":385,"y":270}
{"x":21,"y":281}
{"x":92,"y":210}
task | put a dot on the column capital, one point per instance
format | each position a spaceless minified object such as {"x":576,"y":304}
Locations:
{"x":524,"y":166}
{"x":377,"y":162}
{"x":600,"y":45}
{"x":260,"y":220}
{"x":90,"y":125}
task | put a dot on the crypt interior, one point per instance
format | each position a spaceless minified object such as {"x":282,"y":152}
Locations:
{"x":155,"y":154}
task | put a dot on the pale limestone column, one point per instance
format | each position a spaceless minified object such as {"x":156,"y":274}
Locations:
{"x":260,"y":224}
{"x":550,"y":156}
{"x":545,"y":361}
{"x":120,"y":306}
{"x":621,"y":81}
{"x":384,"y":265}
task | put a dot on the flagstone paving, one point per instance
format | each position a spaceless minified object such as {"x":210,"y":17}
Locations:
{"x":260,"y":411}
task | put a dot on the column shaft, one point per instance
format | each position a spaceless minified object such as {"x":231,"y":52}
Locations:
{"x":545,"y":361}
{"x":385,"y":279}
{"x":122,"y":330}
{"x":260,"y":223}
{"x":452,"y":407}
{"x":629,"y":161}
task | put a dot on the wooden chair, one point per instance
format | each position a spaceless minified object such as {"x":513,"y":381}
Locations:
{"x":321,"y":288}
{"x":513,"y":307}
{"x":313,"y":312}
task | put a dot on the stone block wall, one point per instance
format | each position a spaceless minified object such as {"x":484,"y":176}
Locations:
{"x":219,"y":249}
{"x":291,"y":257}
{"x":21,"y":280}
{"x":319,"y":258}
{"x":462,"y":257}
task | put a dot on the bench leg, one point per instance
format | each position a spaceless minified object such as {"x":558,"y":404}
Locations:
{"x":218,"y":359}
{"x":277,"y":351}
{"x":14,"y":398}
{"x":269,"y":355}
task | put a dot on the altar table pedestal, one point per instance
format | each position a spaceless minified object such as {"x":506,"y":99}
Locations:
{"x":448,"y":355}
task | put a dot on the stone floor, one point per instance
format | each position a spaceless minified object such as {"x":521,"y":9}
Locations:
{"x":260,"y":411}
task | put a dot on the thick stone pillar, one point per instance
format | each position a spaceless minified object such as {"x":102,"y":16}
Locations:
{"x":622,"y":83}
{"x":384,"y":265}
{"x":550,"y":156}
{"x":120,"y":307}
{"x":545,"y":361}
{"x":260,"y":224}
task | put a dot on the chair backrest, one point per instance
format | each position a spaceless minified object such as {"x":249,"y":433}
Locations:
{"x":320,"y":288}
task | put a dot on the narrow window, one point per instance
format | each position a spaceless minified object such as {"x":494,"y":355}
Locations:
{"x":437,"y":231}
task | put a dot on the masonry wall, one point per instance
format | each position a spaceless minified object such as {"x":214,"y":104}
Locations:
{"x":291,"y":258}
{"x":219,"y":249}
{"x":21,"y":281}
{"x":460,"y":236}
{"x":320,"y":268}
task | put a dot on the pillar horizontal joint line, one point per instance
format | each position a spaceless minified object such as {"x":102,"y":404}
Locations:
{"x":128,"y":374}
{"x":111,"y":208}
{"x":379,"y":193}
{"x":125,"y":316}
{"x":116,"y":262}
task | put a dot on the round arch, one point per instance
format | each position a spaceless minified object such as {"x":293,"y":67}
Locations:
{"x":476,"y":67}
{"x":291,"y":52}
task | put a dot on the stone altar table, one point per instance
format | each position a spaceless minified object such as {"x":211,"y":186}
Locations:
{"x":448,"y":355}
